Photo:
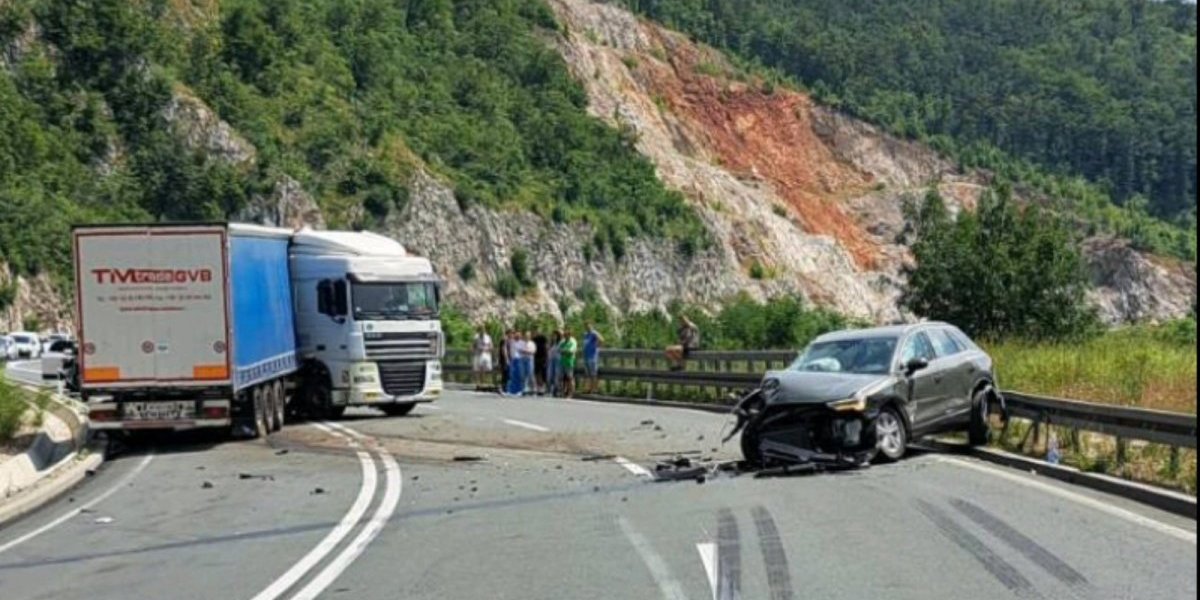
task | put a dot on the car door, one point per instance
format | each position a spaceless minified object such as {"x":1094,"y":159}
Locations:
{"x":958,"y":373}
{"x":927,"y":390}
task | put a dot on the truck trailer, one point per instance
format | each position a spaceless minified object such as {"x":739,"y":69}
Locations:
{"x":225,"y":325}
{"x":184,"y":326}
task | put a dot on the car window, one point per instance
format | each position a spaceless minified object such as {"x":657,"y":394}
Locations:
{"x":943,"y":343}
{"x":917,"y":346}
{"x":962,"y":339}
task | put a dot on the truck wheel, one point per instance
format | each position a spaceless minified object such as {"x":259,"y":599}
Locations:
{"x":270,"y":406}
{"x":398,"y":410}
{"x":260,"y":412}
{"x":979,"y":432}
{"x":280,"y":405}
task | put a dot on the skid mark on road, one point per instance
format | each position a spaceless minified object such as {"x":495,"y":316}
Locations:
{"x":1121,"y":513}
{"x":1032,"y":550}
{"x":729,"y":557}
{"x":999,"y":568}
{"x":67,"y":516}
{"x":669,"y":586}
{"x":779,"y":577}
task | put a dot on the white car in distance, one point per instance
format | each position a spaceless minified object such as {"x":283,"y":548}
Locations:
{"x":27,"y":345}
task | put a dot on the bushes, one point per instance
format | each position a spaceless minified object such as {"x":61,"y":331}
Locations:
{"x":1002,"y":271}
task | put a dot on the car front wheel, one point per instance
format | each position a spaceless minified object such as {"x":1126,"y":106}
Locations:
{"x":891,"y":435}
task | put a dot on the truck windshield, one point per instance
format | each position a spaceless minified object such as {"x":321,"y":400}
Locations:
{"x":390,"y":301}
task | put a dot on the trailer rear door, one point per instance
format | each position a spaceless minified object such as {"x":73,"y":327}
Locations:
{"x":152,"y":306}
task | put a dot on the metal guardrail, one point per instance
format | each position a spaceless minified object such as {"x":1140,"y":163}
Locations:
{"x":741,"y":370}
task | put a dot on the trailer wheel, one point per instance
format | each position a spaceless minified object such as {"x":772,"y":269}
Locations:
{"x":280,"y":405}
{"x":270,"y":400}
{"x":261,"y":428}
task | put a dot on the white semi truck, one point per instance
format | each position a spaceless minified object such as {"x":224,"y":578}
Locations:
{"x":225,"y":325}
{"x":367,"y":322}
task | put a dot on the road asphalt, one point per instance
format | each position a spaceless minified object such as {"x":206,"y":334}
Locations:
{"x":479,"y":496}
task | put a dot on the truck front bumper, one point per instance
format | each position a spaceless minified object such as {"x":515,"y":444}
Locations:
{"x":366,"y":389}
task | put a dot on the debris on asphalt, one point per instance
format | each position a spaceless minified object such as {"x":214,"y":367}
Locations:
{"x":317,"y":491}
{"x":676,"y":453}
{"x":647,"y":422}
{"x":700,"y":438}
{"x":86,"y":511}
{"x":469,"y":458}
{"x":207,"y":485}
{"x":282,"y":452}
{"x":416,"y":477}
{"x":598,"y":457}
{"x":200,"y":468}
{"x":658,"y":428}
{"x":254,"y":476}
{"x":90,"y":472}
{"x":103,"y":520}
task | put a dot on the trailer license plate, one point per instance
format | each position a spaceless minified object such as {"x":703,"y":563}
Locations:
{"x":160,"y":411}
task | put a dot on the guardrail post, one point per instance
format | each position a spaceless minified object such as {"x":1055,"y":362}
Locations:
{"x":1173,"y":462}
{"x":1121,"y":452}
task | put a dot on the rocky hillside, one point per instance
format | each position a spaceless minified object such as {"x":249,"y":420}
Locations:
{"x":796,"y":198}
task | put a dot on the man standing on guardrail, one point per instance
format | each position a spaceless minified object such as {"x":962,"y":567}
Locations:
{"x":689,"y":341}
{"x":592,"y":341}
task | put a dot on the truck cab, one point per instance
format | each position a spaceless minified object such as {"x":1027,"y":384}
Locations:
{"x":367,"y":322}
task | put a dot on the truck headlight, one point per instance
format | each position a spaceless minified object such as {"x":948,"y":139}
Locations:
{"x":856,"y":404}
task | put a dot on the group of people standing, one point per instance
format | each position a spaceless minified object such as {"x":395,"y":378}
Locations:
{"x":530,"y":363}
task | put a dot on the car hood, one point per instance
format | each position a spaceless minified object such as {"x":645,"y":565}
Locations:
{"x":810,"y":387}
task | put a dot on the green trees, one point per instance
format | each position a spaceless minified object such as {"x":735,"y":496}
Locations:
{"x":1002,"y":271}
{"x":347,"y":96}
{"x":1103,"y":89}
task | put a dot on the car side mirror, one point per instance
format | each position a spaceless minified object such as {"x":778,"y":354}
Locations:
{"x":914,"y":365}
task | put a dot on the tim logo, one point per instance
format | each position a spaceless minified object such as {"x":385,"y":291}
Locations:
{"x":151,"y":276}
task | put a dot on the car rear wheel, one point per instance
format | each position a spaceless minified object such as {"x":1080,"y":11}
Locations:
{"x":979,"y":433}
{"x":891,"y":434}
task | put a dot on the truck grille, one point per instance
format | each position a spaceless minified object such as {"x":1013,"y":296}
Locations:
{"x":402,"y":378}
{"x":401,"y":346}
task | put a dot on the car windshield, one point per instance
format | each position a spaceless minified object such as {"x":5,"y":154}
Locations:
{"x":865,"y":356}
{"x":395,"y":301}
{"x":22,"y":339}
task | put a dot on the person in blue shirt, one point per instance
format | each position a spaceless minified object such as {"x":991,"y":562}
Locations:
{"x":592,"y":341}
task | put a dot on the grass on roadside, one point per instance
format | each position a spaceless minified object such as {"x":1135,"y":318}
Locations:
{"x":1138,"y":366}
{"x":12,"y":410}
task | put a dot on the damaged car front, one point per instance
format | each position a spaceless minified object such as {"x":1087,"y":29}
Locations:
{"x":838,"y":405}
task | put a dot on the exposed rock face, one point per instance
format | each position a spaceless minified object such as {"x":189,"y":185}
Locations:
{"x":288,"y":205}
{"x":202,"y":130}
{"x":35,"y":301}
{"x":1131,"y":287}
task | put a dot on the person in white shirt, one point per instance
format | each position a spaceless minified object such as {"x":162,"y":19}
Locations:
{"x":527,"y":351}
{"x":481,"y":350}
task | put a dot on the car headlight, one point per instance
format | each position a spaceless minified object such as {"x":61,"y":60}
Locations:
{"x":856,"y":404}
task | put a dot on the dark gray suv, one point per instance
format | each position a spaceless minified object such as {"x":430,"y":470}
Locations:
{"x":854,"y":395}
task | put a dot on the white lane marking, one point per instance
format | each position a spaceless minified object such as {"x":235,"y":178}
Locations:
{"x":524,"y":425}
{"x":431,"y":407}
{"x":669,"y":586}
{"x":1121,"y":513}
{"x":633,"y":467}
{"x":335,"y":535}
{"x":708,"y":556}
{"x":391,"y":497}
{"x":82,"y":507}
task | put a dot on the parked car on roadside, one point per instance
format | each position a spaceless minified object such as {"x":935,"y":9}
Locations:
{"x":855,"y":395}
{"x":56,"y":357}
{"x":27,"y":345}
